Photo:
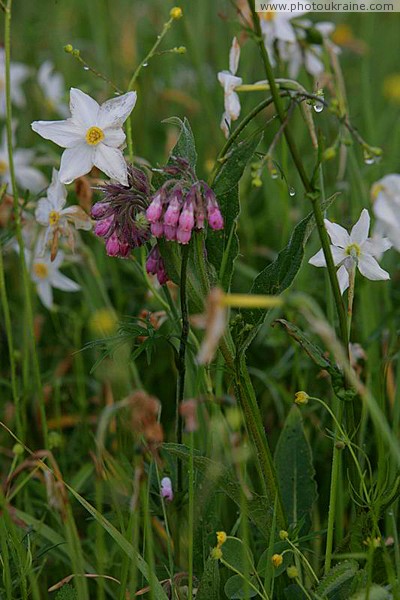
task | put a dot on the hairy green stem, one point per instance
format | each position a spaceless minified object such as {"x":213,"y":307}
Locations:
{"x":18,"y":227}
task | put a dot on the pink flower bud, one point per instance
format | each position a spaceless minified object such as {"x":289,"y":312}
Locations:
{"x":103,"y":227}
{"x":170,"y":233}
{"x":154,"y":211}
{"x":162,"y":276}
{"x":99,"y":209}
{"x":182,"y":236}
{"x":215,"y":218}
{"x":157,"y":229}
{"x":186,"y":220}
{"x":171,"y":216}
{"x":166,"y":489}
{"x":124,"y":250}
{"x":112,"y":245}
{"x":152,"y":261}
{"x":200,"y":216}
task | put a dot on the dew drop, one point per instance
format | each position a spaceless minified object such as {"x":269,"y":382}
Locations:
{"x":145,"y":64}
{"x":318,"y":107}
{"x":86,"y":68}
{"x":274,"y":174}
{"x":292,"y":191}
{"x":369,"y":159}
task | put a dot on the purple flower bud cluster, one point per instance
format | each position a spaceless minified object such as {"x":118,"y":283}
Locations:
{"x":121,"y":215}
{"x":182,"y":205}
{"x":155,"y":265}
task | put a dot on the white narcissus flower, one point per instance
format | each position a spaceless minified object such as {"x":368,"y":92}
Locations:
{"x":354,"y":249}
{"x":277,"y":26}
{"x":386,"y":196}
{"x":230,"y":82}
{"x":46,"y":276}
{"x":26,"y":176}
{"x":92,"y":136}
{"x":18,"y":74}
{"x":50,"y":212}
{"x":52,"y":84}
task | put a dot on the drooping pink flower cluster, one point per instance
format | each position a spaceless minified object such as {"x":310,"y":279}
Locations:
{"x":121,"y":215}
{"x":155,"y":265}
{"x":182,"y":205}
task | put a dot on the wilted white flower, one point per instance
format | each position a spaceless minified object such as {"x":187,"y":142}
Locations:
{"x":166,"y":489}
{"x":18,"y":74}
{"x":51,"y":213}
{"x":52,"y":84}
{"x":386,"y":196}
{"x":92,"y":136}
{"x":46,"y":276}
{"x":356,"y":249}
{"x":277,"y":26}
{"x":230,"y":82}
{"x":26,"y":176}
{"x":303,"y":53}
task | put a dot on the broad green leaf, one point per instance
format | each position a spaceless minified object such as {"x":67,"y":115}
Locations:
{"x":185,"y":146}
{"x":258,"y":508}
{"x":237,"y":555}
{"x":279,"y":275}
{"x":209,"y":583}
{"x":235,"y":588}
{"x":339,"y":575}
{"x":223,"y":246}
{"x":295,"y":471}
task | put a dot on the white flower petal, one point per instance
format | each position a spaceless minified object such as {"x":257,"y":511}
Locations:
{"x":45,"y":293}
{"x":387,"y":211}
{"x":63,"y":133}
{"x":84,"y":109}
{"x":111,"y":162}
{"x":228,"y":81}
{"x":79,"y":218}
{"x":29,"y":178}
{"x":42,"y":211}
{"x":225,"y":124}
{"x":57,"y":192}
{"x":376,"y":246}
{"x":360,"y":231}
{"x":76,"y":162}
{"x":61,"y":282}
{"x":283,"y":28}
{"x":318,"y":260}
{"x":232,"y":105}
{"x":338,"y":254}
{"x":369,"y":267}
{"x":338,"y":234}
{"x":234,"y":55}
{"x":343,"y":278}
{"x":312,"y":63}
{"x":114,"y":137}
{"x":114,"y":112}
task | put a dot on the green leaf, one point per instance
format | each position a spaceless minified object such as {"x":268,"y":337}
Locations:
{"x":209,"y":583}
{"x":295,"y":471}
{"x":67,"y":592}
{"x":235,"y":588}
{"x":280,"y":274}
{"x":337,"y":577}
{"x":223,"y":246}
{"x":258,"y":508}
{"x":237,"y":555}
{"x":185,"y":146}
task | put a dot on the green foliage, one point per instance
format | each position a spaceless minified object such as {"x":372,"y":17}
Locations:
{"x":223,"y":246}
{"x":67,"y":592}
{"x":333,"y":582}
{"x":210,"y":581}
{"x":295,"y":470}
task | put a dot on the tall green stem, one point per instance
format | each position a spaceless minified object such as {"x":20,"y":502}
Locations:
{"x":18,"y":228}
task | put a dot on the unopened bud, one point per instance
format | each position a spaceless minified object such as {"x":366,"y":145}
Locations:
{"x":68,"y":48}
{"x":176,"y":12}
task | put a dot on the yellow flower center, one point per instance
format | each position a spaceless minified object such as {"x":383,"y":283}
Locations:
{"x":41,"y":270}
{"x":376,"y":188}
{"x":54,"y":217}
{"x":94,"y":136}
{"x":268,"y":15}
{"x":3,"y":167}
{"x":353,"y":250}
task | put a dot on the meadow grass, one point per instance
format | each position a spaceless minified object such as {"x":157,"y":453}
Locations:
{"x":307,"y":495}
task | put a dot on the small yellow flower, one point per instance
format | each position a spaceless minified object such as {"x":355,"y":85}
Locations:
{"x":301,"y":398}
{"x":216,"y":553}
{"x":221,"y":538}
{"x":277,"y":560}
{"x":283,"y":534}
{"x":391,"y":88}
{"x":373,"y":542}
{"x":292,"y":572}
{"x":103,"y":322}
{"x":176,"y":12}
